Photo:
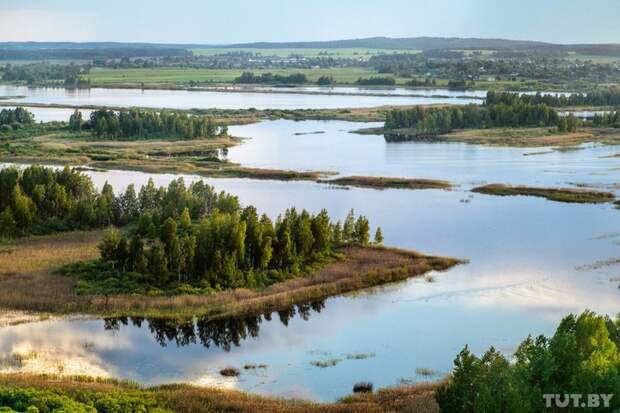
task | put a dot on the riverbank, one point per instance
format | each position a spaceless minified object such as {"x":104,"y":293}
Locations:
{"x":245,"y":116}
{"x":29,"y":281}
{"x":182,"y":398}
{"x":197,"y":156}
{"x":506,"y":137}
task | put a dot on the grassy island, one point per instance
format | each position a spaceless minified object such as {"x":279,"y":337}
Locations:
{"x":553,"y":194}
{"x":379,"y":182}
{"x":179,"y":251}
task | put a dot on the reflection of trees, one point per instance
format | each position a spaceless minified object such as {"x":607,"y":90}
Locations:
{"x":222,"y":333}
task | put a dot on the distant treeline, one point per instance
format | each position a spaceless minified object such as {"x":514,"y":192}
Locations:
{"x":600,"y":97}
{"x":434,"y":121}
{"x":270,"y":78}
{"x":89,"y":54}
{"x":15,"y":117}
{"x":376,"y":81}
{"x":38,"y":73}
{"x":136,"y":123}
{"x":607,"y":119}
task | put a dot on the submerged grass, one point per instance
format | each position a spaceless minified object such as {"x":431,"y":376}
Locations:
{"x":29,"y":281}
{"x":553,"y":194}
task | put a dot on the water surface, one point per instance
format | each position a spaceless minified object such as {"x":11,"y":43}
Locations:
{"x":184,"y":99}
{"x":531,"y":262}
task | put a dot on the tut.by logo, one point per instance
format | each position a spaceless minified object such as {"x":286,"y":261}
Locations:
{"x":577,"y":400}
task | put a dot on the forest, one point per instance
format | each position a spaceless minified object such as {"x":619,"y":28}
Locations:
{"x":133,"y":123}
{"x":45,"y":73}
{"x":376,"y":81}
{"x":599,"y":97}
{"x":582,"y":358}
{"x":39,"y":200}
{"x":434,"y":121}
{"x":270,"y":78}
{"x":175,"y":235}
{"x":217,"y":249}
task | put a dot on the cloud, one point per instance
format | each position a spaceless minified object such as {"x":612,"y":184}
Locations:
{"x":46,"y":25}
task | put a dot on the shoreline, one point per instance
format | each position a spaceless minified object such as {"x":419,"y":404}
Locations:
{"x":187,"y":398}
{"x":43,"y":256}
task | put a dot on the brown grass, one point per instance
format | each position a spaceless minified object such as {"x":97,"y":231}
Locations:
{"x":569,"y":195}
{"x":379,"y":182}
{"x":189,"y":399}
{"x":28,"y":281}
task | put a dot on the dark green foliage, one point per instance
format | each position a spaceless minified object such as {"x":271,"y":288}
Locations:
{"x":221,"y":250}
{"x":30,"y":400}
{"x":607,"y":119}
{"x":136,"y":123}
{"x":582,"y":357}
{"x":270,"y":78}
{"x":19,"y":116}
{"x":45,"y":73}
{"x":76,"y":121}
{"x":376,"y":81}
{"x":325,"y":81}
{"x":434,"y":121}
{"x":39,"y":200}
{"x":599,"y":97}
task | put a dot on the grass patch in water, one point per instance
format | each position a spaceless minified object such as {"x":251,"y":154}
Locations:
{"x":230,"y":372}
{"x":379,"y":182}
{"x":325,"y":363}
{"x":552,"y":194}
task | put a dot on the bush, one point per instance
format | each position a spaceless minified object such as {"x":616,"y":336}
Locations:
{"x":581,"y":358}
{"x":363,"y":387}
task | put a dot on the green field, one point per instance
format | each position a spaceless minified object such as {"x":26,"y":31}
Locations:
{"x":181,"y":76}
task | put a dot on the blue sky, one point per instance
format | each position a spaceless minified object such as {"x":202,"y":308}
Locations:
{"x":231,"y":21}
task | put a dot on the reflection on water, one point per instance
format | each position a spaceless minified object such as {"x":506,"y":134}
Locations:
{"x":185,"y":99}
{"x":531,"y":261}
{"x":285,"y":144}
{"x":223,"y":333}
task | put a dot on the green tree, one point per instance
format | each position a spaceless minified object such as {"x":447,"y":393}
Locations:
{"x":378,"y":236}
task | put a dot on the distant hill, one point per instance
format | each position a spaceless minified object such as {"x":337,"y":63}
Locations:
{"x":386,"y":43}
{"x":414,"y":43}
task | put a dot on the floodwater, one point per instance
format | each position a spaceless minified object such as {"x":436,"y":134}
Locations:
{"x":52,"y":114}
{"x":197,"y":99}
{"x":531,"y":262}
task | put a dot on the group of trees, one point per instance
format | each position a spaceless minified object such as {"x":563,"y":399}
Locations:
{"x":581,"y":358}
{"x":376,"y":81}
{"x":607,"y":119}
{"x":599,"y":97}
{"x":179,"y":234}
{"x":45,"y":73}
{"x":17,"y":117}
{"x":138,"y":123}
{"x":39,"y":200}
{"x":226,"y":248}
{"x":270,"y":78}
{"x":433,"y":121}
{"x":551,"y":68}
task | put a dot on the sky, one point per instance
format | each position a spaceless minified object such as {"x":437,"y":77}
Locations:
{"x":240,"y":21}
